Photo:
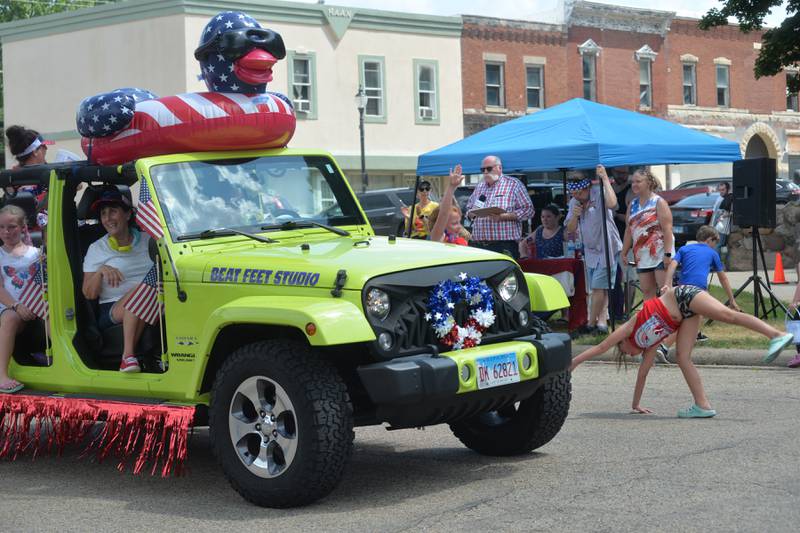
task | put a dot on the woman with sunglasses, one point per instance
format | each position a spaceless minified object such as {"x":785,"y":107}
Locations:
{"x":422,"y":211}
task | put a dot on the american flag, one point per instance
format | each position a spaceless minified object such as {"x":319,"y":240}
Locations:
{"x":32,"y":295}
{"x":146,"y":215}
{"x":144,"y":302}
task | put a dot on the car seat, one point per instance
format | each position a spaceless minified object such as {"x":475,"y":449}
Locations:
{"x":107,"y":344}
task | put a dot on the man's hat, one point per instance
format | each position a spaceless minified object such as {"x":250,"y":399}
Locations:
{"x":111,"y":197}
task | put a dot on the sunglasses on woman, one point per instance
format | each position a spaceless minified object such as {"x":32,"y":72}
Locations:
{"x":233,"y":44}
{"x":424,"y":189}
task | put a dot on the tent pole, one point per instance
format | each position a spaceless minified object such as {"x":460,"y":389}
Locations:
{"x":410,"y":223}
{"x":566,"y":196}
{"x":606,"y":252}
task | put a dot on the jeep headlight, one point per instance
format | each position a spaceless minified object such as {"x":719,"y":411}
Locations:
{"x":508,"y":287}
{"x":378,"y":304}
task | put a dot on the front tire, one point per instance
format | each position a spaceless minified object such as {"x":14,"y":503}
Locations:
{"x":281,"y":424}
{"x":520,"y":428}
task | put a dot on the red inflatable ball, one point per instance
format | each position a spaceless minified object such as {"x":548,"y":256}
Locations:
{"x":196,"y":122}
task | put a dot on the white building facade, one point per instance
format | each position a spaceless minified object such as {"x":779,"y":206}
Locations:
{"x":409,"y":66}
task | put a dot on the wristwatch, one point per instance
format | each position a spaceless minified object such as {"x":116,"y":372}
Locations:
{"x":667,"y":254}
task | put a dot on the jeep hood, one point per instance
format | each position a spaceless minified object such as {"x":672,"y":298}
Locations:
{"x":310,"y":263}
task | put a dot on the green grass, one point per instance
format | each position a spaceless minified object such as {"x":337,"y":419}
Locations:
{"x":720,"y":335}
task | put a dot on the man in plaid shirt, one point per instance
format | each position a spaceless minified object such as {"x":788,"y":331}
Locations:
{"x":499,"y":233}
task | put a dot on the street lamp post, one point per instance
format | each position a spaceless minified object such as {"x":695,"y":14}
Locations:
{"x":361,"y":104}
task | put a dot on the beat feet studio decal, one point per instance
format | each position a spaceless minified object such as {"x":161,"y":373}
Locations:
{"x":260,"y":276}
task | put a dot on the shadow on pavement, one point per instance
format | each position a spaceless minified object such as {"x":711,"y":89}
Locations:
{"x":378,"y":476}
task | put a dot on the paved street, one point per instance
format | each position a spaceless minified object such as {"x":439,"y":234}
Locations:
{"x":607,"y":470}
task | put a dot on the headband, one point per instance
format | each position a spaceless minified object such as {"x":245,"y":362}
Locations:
{"x":37,"y":142}
{"x":573,"y":186}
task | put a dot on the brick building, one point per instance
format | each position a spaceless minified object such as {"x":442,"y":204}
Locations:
{"x":642,"y":60}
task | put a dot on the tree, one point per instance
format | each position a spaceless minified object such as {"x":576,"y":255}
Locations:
{"x":11,"y":10}
{"x":780,"y":47}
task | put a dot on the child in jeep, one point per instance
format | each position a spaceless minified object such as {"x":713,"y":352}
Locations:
{"x":18,"y":262}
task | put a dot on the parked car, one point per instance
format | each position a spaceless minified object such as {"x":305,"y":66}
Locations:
{"x":785,"y":190}
{"x":384,"y":209}
{"x":691,"y":213}
{"x":705,"y":182}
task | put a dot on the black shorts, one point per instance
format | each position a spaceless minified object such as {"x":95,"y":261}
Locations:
{"x":684,"y":294}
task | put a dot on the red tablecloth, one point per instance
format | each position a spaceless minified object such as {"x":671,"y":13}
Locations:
{"x":578,"y":315}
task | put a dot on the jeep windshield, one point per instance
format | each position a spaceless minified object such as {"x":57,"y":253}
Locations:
{"x":251,"y":195}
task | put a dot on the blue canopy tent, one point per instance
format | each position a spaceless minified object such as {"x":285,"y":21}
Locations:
{"x":580,"y":134}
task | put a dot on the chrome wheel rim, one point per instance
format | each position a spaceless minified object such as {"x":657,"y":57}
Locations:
{"x":263,"y":427}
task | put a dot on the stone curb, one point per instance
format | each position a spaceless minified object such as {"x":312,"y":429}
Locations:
{"x":714,"y":356}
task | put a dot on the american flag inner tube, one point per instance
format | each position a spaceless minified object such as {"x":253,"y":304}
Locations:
{"x":196,"y":122}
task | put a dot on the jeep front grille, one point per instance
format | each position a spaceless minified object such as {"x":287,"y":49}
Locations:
{"x":409,"y":292}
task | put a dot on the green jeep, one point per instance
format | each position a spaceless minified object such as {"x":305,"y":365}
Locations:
{"x":287,"y":322}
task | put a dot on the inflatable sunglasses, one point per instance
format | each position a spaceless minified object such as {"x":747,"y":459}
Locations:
{"x":233,"y":44}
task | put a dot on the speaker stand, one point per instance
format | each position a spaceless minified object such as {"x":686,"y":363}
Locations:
{"x":759,"y":284}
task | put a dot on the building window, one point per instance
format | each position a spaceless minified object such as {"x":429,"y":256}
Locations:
{"x":426,"y":87}
{"x":495,"y":96}
{"x":792,"y":103}
{"x":645,"y":83}
{"x":302,"y":84}
{"x":589,"y":62}
{"x":689,"y":84}
{"x":373,"y":79}
{"x":723,"y":86}
{"x":534,"y":86}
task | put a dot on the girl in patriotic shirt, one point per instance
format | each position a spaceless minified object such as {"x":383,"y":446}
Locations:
{"x":18,"y":263}
{"x":678,"y":311}
{"x":447,"y":227}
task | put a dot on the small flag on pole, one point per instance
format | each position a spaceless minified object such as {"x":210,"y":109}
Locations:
{"x":32,"y":295}
{"x":146,"y":215}
{"x":144,"y":302}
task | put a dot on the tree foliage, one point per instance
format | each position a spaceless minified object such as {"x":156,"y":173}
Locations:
{"x":780,"y":47}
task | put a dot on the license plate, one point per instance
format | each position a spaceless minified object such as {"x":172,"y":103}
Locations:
{"x":497,"y":370}
{"x":678,"y":229}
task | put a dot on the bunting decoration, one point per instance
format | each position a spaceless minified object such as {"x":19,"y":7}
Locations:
{"x":142,"y":434}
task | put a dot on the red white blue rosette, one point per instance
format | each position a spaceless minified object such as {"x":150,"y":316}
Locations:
{"x":442,"y":301}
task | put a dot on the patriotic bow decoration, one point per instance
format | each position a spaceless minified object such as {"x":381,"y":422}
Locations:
{"x":144,"y":302}
{"x":33,"y":295}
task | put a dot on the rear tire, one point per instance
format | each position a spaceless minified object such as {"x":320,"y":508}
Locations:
{"x":281,"y":424}
{"x":521,"y":428}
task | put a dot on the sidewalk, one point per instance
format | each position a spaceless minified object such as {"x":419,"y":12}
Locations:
{"x":784,"y":292}
{"x":715,"y":356}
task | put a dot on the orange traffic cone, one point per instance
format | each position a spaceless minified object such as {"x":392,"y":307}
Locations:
{"x":778,"y":278}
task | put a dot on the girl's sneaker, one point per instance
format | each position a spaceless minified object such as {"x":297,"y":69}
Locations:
{"x":777,"y":345}
{"x":794,"y":362}
{"x":130,"y":364}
